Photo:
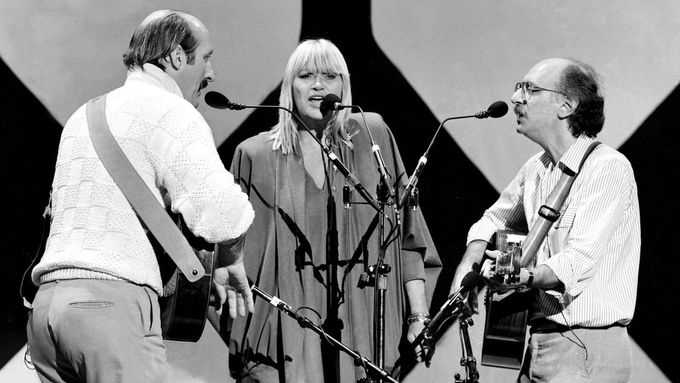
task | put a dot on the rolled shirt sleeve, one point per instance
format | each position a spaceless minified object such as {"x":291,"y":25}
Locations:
{"x":606,"y":195}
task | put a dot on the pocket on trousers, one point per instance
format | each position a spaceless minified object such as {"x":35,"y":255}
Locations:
{"x":91,"y":305}
{"x":154,"y":310}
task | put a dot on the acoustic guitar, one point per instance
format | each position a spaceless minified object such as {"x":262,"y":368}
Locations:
{"x":185,"y":304}
{"x":507,"y":314}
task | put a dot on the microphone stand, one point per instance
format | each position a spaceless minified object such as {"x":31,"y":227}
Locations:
{"x":454,"y":306}
{"x":333,"y":325}
{"x":304,"y":322}
{"x":380,"y":269}
{"x":428,"y":339}
{"x":467,"y":360}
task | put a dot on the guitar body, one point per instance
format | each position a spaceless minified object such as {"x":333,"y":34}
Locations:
{"x":505,"y":329}
{"x":184,"y":311}
{"x":184,"y":304}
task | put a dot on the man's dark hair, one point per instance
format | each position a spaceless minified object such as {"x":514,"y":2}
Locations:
{"x":156,"y":39}
{"x":580,"y":81}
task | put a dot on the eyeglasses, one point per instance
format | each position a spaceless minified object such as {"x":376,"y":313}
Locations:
{"x":529,"y":89}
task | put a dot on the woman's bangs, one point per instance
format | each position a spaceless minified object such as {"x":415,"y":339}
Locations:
{"x":318,"y":60}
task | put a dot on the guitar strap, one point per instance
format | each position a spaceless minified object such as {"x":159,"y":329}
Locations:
{"x":550,"y":211}
{"x":138,"y":194}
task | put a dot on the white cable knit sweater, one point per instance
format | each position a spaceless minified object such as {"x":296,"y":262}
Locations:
{"x":94,"y":232}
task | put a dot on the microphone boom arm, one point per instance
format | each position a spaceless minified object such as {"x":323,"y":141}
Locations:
{"x":304,"y":322}
{"x":495,"y":110}
{"x":422,"y":162}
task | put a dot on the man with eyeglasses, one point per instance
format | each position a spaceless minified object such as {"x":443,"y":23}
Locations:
{"x":585,"y":279}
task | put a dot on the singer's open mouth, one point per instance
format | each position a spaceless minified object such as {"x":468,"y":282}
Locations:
{"x":202,"y":85}
{"x":316,"y":98}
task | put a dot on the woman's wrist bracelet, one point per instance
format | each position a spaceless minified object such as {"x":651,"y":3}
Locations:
{"x":418,"y":317}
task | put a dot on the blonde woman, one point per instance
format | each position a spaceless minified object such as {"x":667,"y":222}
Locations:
{"x":289,"y":181}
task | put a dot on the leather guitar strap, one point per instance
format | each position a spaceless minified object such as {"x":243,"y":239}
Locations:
{"x":138,"y":193}
{"x":550,"y":211}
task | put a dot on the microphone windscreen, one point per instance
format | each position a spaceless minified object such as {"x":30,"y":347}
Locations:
{"x":497,"y":109}
{"x":471,"y":280}
{"x":216,"y":100}
{"x":328,"y":103}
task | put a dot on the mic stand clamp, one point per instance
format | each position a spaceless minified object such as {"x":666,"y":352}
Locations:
{"x":368,"y":278}
{"x":412,"y":200}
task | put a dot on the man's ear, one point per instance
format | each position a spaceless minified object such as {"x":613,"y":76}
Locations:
{"x":567,"y":108}
{"x":176,"y":59}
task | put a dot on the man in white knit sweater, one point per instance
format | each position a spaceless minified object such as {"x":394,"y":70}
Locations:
{"x":96,"y":315}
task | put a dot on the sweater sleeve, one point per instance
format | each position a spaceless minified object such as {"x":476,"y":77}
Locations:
{"x":199,"y":187}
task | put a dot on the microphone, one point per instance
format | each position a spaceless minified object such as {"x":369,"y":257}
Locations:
{"x":219,"y":101}
{"x":495,"y":110}
{"x":330,"y":103}
{"x":470,"y":281}
{"x":449,"y":308}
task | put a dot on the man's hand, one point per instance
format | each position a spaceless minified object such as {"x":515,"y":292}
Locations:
{"x":232,"y":287}
{"x":230,"y":280}
{"x":488,"y":271}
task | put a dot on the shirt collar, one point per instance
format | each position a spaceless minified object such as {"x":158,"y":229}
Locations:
{"x":572,"y":158}
{"x":153,"y":75}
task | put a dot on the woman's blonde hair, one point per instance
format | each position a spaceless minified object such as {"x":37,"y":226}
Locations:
{"x":320,"y":56}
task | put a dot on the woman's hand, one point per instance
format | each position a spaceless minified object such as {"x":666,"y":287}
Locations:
{"x":415,"y":328}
